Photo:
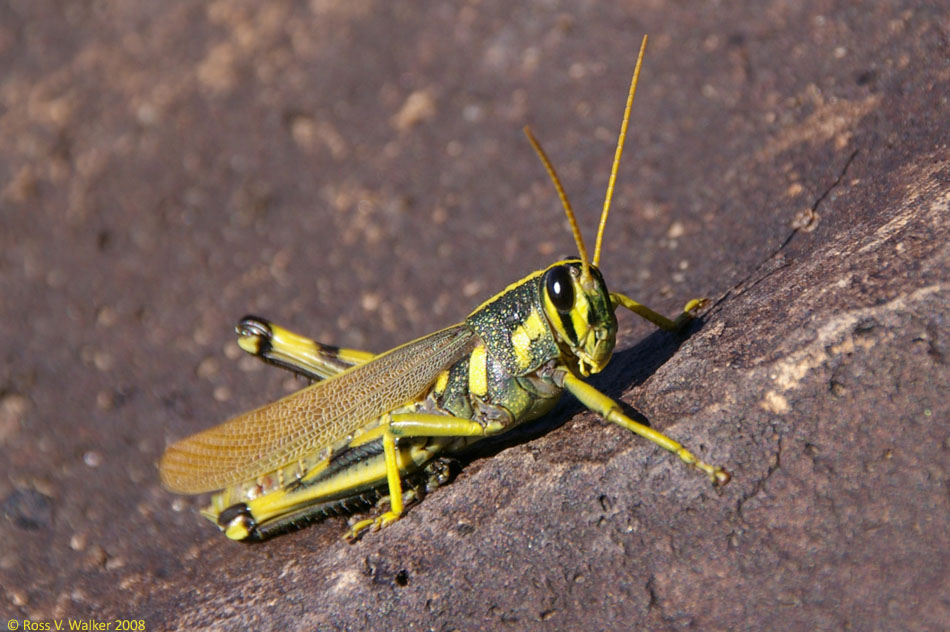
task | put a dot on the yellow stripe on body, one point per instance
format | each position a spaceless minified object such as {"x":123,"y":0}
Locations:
{"x":534,"y":325}
{"x":553,"y":316}
{"x":441,"y":382}
{"x":521,"y":344}
{"x":478,"y":371}
{"x":523,"y":337}
{"x":579,"y":314}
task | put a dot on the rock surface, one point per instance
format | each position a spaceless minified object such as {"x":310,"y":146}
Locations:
{"x":356,"y":171}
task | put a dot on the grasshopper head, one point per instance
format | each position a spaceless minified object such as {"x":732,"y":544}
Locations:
{"x":579,"y":310}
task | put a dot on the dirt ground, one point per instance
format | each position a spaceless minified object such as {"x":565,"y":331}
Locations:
{"x":356,"y":171}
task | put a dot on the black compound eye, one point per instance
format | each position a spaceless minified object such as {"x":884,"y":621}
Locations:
{"x":560,"y":289}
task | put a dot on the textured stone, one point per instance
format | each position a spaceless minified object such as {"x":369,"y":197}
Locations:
{"x":167,"y":168}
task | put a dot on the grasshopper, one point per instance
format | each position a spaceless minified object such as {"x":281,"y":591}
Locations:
{"x":370,"y":424}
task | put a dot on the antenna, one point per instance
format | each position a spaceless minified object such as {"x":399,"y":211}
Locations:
{"x":581,"y":250}
{"x":616,"y":165}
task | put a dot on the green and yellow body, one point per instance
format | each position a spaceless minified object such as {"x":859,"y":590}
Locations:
{"x":519,"y":350}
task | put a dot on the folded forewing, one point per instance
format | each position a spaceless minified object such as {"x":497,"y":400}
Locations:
{"x":295,"y":426}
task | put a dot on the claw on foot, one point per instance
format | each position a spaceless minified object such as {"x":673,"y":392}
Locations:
{"x":695,"y":305}
{"x":716,"y":474}
{"x":720,"y":477}
{"x":689,"y":312}
{"x":375,"y":524}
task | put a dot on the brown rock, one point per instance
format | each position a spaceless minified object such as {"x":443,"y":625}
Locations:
{"x":171,"y":164}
